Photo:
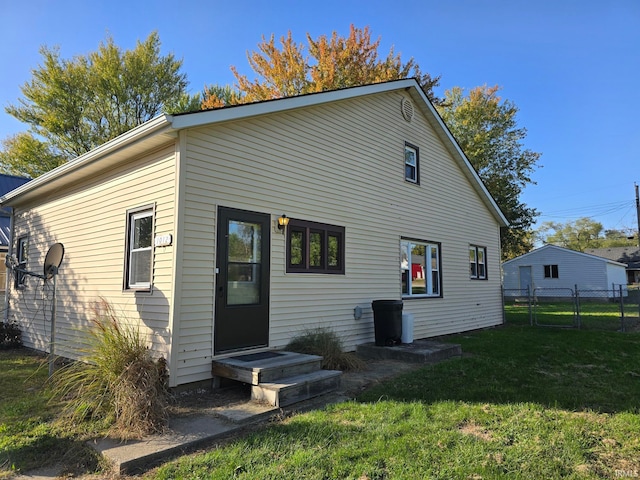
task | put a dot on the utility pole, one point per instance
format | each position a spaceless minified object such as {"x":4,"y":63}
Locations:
{"x":638,"y":211}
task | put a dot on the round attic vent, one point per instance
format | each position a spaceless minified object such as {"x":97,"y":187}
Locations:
{"x":407,"y":109}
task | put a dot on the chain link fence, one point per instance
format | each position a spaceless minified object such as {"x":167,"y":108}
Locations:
{"x":614,"y":309}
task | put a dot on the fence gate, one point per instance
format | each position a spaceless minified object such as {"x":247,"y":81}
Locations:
{"x":555,"y":307}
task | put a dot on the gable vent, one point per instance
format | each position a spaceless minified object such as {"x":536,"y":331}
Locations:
{"x":407,"y":109}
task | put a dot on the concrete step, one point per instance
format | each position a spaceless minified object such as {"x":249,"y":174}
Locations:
{"x":420,"y":351}
{"x":287,"y":391}
{"x":256,"y":368}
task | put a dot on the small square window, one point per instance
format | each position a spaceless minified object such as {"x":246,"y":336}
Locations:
{"x":411,"y":164}
{"x":551,"y":271}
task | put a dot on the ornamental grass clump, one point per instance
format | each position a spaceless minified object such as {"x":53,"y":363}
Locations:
{"x":325,"y":342}
{"x":117,"y":381}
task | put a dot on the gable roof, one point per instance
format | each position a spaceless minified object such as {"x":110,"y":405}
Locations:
{"x":628,"y":255}
{"x":566,"y":251}
{"x":164,"y":128}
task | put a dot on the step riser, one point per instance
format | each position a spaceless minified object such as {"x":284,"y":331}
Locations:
{"x":281,"y":395}
{"x":288,"y":365}
{"x":271,"y":375}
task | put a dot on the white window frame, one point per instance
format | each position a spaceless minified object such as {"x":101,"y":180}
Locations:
{"x":22,"y":255}
{"x":132,"y":216}
{"x":432,"y":273}
{"x":412,"y":163}
{"x":477,"y":258}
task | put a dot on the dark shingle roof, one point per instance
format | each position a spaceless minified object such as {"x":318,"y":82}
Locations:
{"x":628,"y":255}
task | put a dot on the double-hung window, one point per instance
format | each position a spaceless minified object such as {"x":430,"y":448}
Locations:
{"x":22,"y":256}
{"x":478,"y":262}
{"x":411,"y":163}
{"x":314,"y":247}
{"x":139,"y":261}
{"x":420,"y":269}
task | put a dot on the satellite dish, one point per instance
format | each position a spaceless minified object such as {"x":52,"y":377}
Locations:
{"x":53,"y":260}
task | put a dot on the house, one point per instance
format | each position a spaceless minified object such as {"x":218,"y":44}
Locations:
{"x":554,"y":271}
{"x":7,"y":183}
{"x":236,"y":229}
{"x":628,"y":255}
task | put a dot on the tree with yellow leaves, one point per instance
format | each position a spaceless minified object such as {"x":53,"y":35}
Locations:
{"x":331,"y":63}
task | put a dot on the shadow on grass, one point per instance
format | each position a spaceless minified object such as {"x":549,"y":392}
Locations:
{"x":76,"y":456}
{"x":569,"y":369}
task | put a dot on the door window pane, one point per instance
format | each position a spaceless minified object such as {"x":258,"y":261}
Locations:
{"x":243,"y":263}
{"x":244,"y":241}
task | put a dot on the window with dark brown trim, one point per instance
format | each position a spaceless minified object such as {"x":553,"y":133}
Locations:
{"x":477,"y":262}
{"x":314,"y":247}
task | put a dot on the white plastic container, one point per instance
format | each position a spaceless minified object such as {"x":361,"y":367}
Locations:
{"x":407,"y":328}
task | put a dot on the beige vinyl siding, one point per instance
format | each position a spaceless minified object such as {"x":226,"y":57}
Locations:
{"x":90,"y":219}
{"x":340,"y":164}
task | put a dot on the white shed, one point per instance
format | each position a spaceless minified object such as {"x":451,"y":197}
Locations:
{"x":553,"y":271}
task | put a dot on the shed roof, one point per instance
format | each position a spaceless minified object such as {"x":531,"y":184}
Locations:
{"x":566,"y":251}
{"x":164,"y":128}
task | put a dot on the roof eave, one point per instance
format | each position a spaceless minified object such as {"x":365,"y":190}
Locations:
{"x":147,"y":129}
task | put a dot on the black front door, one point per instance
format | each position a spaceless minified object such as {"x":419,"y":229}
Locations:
{"x":242,"y":285}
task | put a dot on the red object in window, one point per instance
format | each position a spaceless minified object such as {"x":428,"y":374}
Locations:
{"x":417,"y":271}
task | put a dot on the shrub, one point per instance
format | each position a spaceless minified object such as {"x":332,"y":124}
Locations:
{"x":326,"y":343}
{"x":117,"y":380}
{"x":10,"y":336}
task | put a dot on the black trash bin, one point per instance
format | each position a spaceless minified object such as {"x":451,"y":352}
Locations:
{"x":387,"y":321}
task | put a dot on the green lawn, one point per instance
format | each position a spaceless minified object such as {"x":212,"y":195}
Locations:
{"x":31,"y":435}
{"x":523,"y":403}
{"x":594,"y":315}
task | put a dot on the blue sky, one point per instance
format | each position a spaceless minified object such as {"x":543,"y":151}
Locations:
{"x":571,"y":66}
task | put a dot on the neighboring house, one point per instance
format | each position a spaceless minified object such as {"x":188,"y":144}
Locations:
{"x":552,"y":271}
{"x":175,"y":223}
{"x":7,"y":183}
{"x":628,"y":255}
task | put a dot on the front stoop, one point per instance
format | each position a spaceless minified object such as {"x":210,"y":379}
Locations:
{"x":287,"y":391}
{"x":279,"y":378}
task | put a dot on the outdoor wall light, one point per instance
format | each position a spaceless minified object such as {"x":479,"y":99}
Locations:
{"x":283,"y":221}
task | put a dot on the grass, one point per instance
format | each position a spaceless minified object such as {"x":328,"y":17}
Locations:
{"x":594,"y":315}
{"x":119,"y":381}
{"x":30,"y":434}
{"x":523,"y":403}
